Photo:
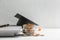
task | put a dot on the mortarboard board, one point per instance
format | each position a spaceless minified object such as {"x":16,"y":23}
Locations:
{"x":23,"y":20}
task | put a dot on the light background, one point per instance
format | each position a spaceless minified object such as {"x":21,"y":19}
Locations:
{"x":44,"y":12}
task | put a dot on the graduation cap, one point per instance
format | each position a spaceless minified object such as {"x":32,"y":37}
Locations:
{"x":23,"y":20}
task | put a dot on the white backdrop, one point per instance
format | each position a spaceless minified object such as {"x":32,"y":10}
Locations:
{"x":44,"y":12}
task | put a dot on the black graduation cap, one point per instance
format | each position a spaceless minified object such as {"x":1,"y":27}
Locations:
{"x":23,"y":20}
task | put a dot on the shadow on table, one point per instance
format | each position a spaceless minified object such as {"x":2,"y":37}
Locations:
{"x":19,"y":35}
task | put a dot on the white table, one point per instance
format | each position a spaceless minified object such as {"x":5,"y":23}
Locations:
{"x":27,"y":37}
{"x":50,"y":34}
{"x":53,"y":33}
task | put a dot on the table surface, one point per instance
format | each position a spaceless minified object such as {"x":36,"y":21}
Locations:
{"x":26,"y":37}
{"x":53,"y":33}
{"x":50,"y":34}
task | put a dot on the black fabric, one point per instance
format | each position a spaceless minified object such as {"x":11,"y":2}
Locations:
{"x":22,"y":20}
